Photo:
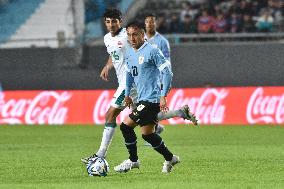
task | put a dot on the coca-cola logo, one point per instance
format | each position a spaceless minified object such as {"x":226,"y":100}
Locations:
{"x":209,"y":108}
{"x":102,"y":105}
{"x":45,"y":108}
{"x":264,"y":108}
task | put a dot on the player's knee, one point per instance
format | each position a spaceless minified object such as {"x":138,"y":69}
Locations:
{"x":128,"y":133}
{"x":154,"y":139}
{"x":149,"y":138}
{"x":110,"y":118}
{"x":125,"y":128}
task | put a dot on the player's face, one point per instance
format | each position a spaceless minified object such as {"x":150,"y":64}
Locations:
{"x":112,"y":25}
{"x":150,"y":24}
{"x":135,"y":37}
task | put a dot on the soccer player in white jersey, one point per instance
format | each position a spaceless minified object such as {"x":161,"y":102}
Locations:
{"x":145,"y":64}
{"x":117,"y":45}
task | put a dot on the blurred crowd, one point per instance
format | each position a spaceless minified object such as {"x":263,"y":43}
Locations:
{"x":3,"y":2}
{"x":95,"y":9}
{"x":217,"y":16}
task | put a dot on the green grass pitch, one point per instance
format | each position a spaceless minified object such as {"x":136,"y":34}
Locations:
{"x":243,"y":157}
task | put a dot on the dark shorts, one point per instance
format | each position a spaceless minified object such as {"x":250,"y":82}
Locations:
{"x":145,"y":113}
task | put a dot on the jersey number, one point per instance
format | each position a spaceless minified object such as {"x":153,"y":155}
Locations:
{"x":114,"y":55}
{"x":134,"y":71}
{"x":140,"y":107}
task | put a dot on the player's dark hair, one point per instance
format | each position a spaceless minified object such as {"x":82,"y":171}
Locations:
{"x":135,"y":24}
{"x":113,"y":13}
{"x":150,"y":15}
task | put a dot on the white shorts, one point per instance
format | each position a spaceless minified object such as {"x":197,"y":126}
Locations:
{"x":118,"y":97}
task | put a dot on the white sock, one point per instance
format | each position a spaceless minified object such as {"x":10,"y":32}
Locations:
{"x":106,"y":139}
{"x":169,"y":114}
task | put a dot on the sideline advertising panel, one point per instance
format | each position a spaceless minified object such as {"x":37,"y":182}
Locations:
{"x":213,"y":106}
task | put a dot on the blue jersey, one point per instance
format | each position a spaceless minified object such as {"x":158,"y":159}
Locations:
{"x":144,"y":66}
{"x":162,"y":43}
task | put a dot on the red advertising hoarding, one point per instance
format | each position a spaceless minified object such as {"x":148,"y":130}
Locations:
{"x":226,"y":105}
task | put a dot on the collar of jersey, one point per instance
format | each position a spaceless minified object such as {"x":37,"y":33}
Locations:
{"x":156,"y":33}
{"x":144,"y":44}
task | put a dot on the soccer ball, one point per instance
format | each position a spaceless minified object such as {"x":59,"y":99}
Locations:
{"x":97,"y":167}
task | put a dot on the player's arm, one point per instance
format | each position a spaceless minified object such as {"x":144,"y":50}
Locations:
{"x":129,"y":85}
{"x":166,"y":80}
{"x":107,"y":67}
{"x":165,"y":48}
{"x":164,"y":68}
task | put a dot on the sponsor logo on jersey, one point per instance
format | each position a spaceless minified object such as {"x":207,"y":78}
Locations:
{"x":119,"y":44}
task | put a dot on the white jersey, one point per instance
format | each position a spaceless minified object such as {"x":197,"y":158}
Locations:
{"x":116,"y":48}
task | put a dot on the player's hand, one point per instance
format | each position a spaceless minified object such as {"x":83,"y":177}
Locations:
{"x":163,"y":104}
{"x":104,"y":73}
{"x":128,"y":101}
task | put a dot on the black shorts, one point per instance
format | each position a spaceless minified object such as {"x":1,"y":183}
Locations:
{"x":145,"y":113}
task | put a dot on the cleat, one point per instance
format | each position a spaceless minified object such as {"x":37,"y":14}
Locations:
{"x":188,"y":115}
{"x":86,"y":159}
{"x":126,"y":166}
{"x":169,"y":165}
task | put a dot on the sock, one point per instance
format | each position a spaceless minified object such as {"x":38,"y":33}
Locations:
{"x":158,"y":145}
{"x":106,"y":139}
{"x":130,"y":141}
{"x":169,"y":114}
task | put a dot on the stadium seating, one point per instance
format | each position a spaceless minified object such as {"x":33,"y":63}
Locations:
{"x":42,"y":28}
{"x":13,"y":14}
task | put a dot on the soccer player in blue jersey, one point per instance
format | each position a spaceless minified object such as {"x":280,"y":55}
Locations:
{"x":144,"y":64}
{"x":159,"y":41}
{"x":116,"y":43}
{"x":154,"y":37}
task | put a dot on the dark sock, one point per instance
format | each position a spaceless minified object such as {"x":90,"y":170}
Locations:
{"x":158,"y":144}
{"x":130,"y":141}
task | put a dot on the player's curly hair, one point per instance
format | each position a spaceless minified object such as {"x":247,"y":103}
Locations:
{"x":113,"y":13}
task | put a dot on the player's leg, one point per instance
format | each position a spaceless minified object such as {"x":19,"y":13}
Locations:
{"x":109,"y":130}
{"x":127,"y":129}
{"x":117,"y":105}
{"x":183,"y":112}
{"x":158,"y":145}
{"x":159,"y":128}
{"x":148,"y":119}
